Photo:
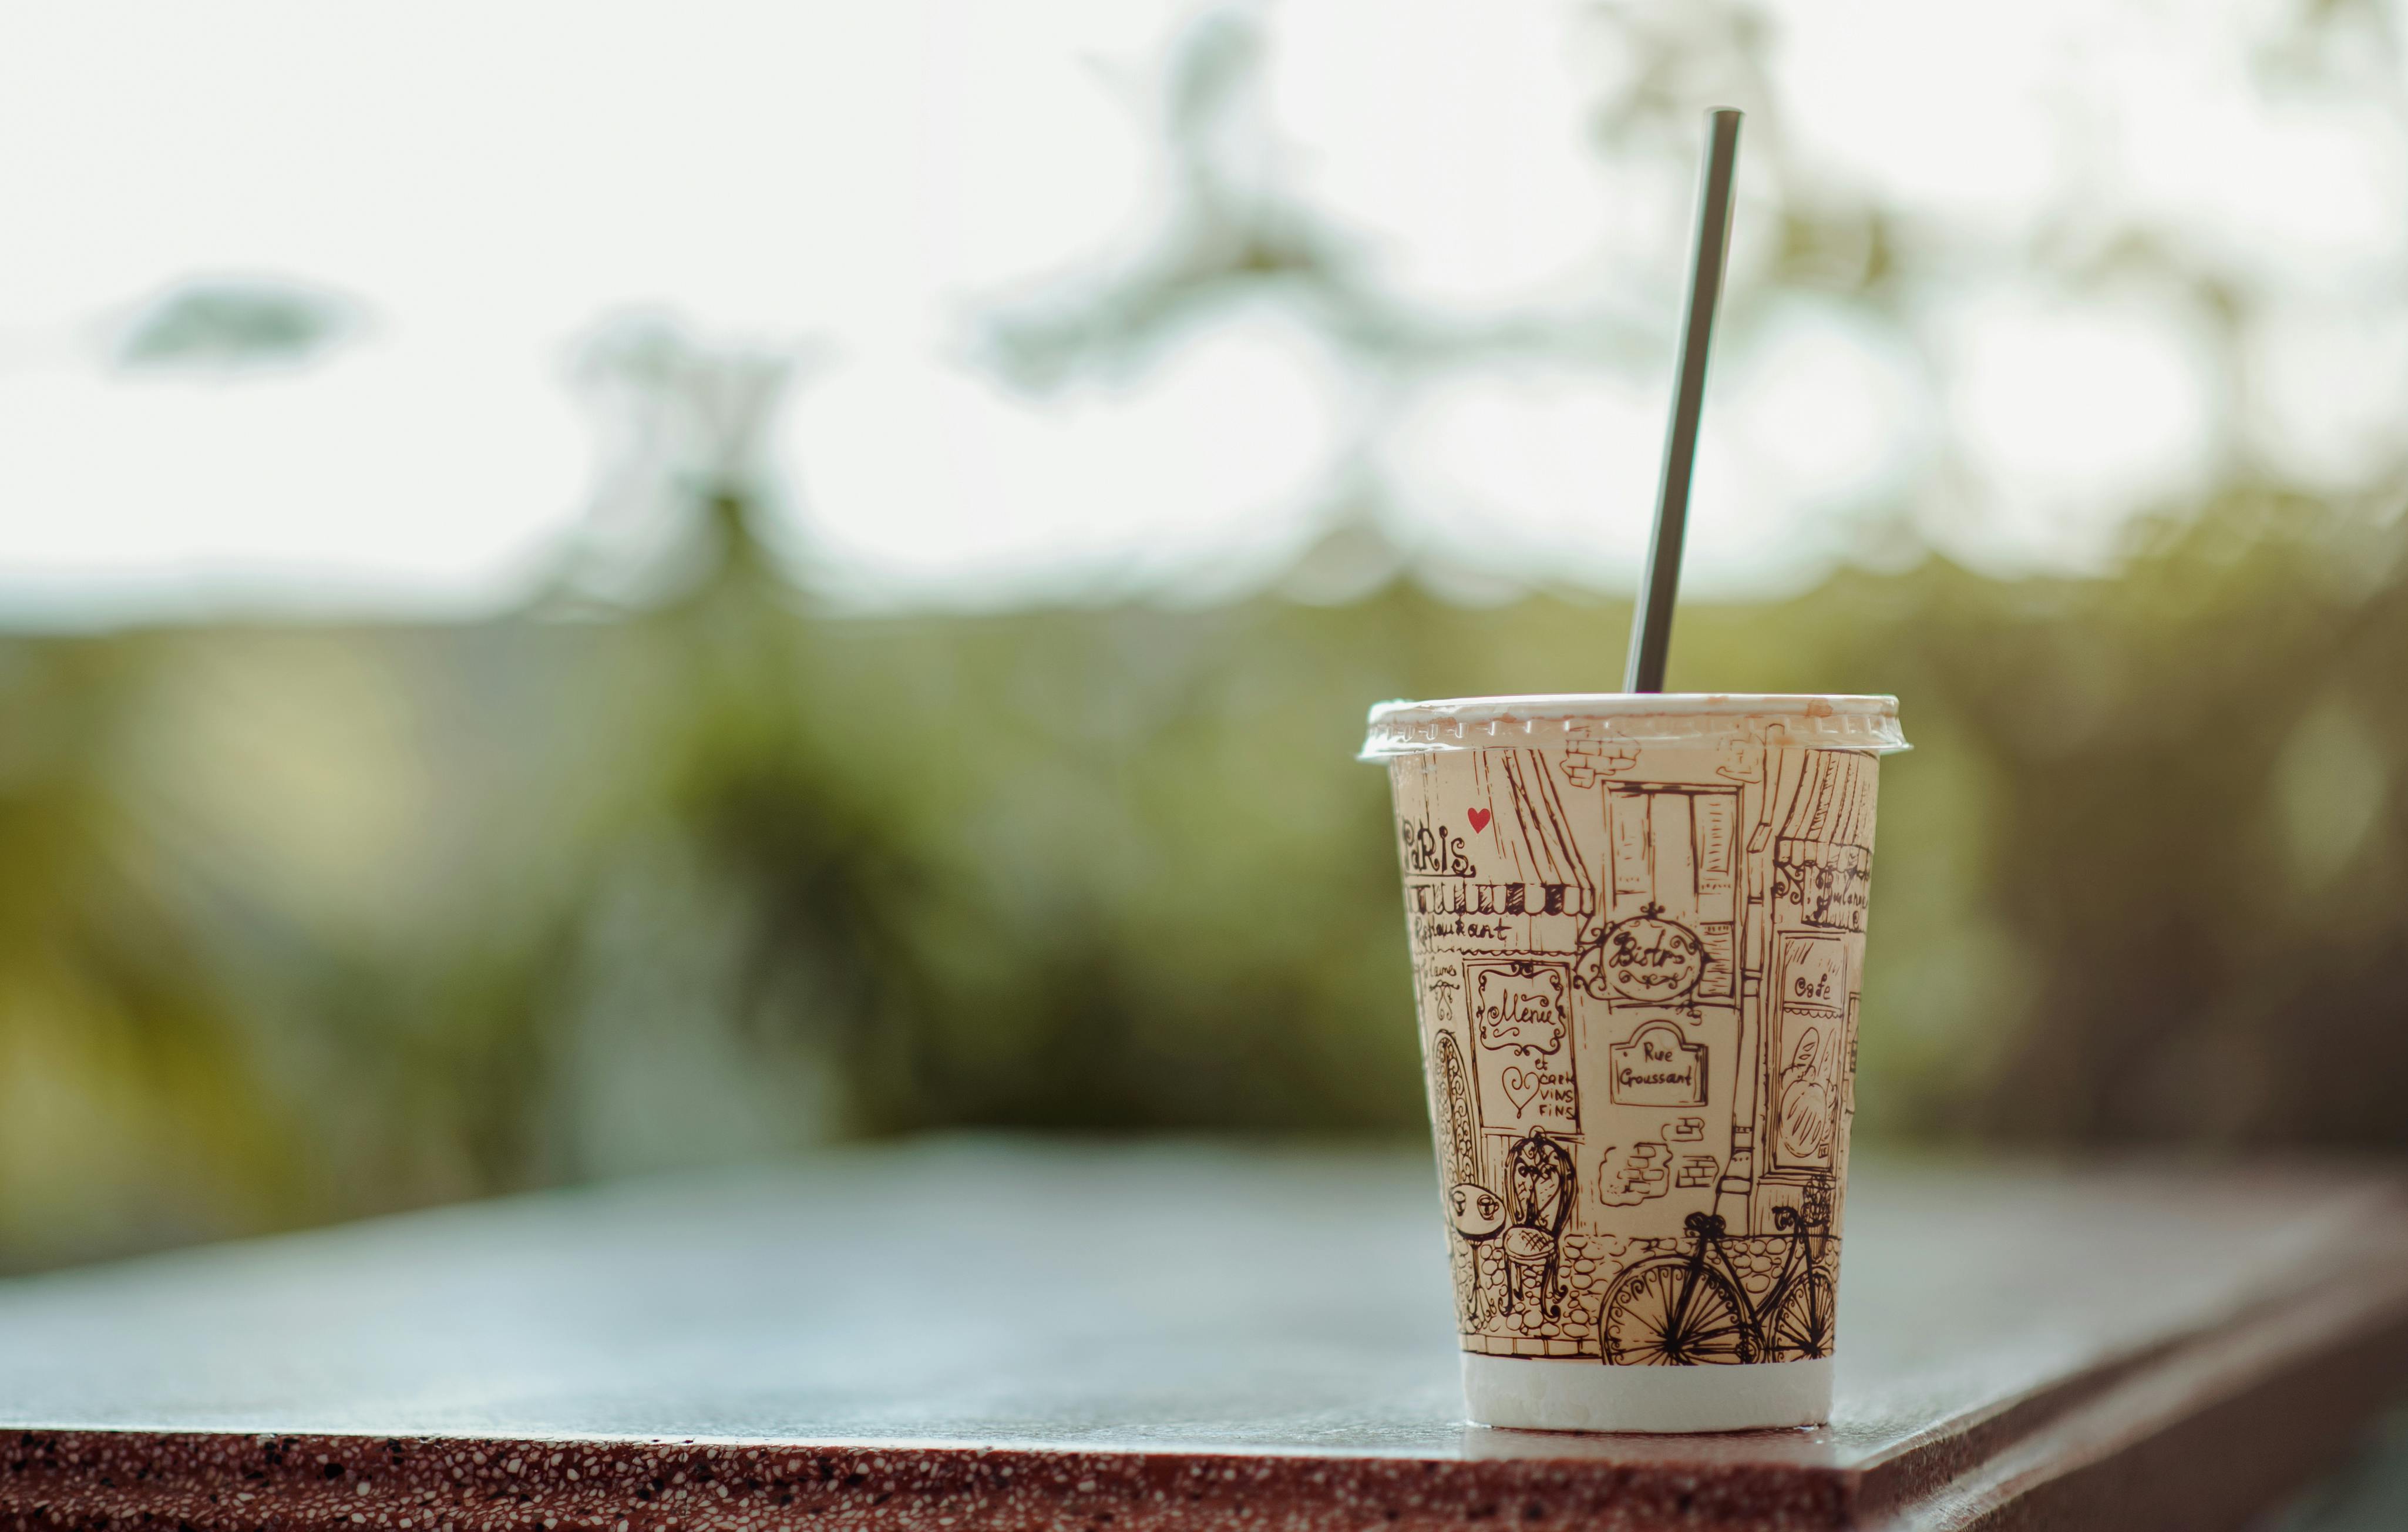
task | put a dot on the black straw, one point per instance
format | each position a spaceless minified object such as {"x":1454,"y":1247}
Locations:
{"x":1651,"y":625}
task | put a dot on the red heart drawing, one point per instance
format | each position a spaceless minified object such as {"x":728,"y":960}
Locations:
{"x":1480,"y":818}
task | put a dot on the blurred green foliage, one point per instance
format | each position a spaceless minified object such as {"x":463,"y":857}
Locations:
{"x":674,"y":866}
{"x":308,"y":921}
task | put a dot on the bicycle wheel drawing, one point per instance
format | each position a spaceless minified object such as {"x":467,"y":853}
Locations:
{"x":1801,"y":1326}
{"x":1664,"y":1313}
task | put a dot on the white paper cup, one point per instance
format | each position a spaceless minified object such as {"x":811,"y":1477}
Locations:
{"x":1638,"y":930}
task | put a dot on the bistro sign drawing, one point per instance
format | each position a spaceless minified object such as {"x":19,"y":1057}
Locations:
{"x":1647,"y":959}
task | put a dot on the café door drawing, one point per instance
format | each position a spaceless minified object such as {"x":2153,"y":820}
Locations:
{"x":1665,"y":961}
{"x":1672,"y":908}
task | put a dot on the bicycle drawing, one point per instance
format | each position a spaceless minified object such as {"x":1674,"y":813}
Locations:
{"x":1693,"y":1310}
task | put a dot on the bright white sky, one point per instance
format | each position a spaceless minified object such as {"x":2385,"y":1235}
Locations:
{"x":488,"y":183}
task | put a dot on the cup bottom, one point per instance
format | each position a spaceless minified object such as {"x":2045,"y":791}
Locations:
{"x":1534,"y":1394}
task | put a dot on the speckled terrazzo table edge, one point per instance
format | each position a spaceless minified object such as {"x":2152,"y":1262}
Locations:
{"x":225,"y":1482}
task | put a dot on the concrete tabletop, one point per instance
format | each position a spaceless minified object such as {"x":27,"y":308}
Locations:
{"x":1022,"y":1333}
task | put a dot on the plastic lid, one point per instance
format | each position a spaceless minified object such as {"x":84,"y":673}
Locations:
{"x":1689,"y":717}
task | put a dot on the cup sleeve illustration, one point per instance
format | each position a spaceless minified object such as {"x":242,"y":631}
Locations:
{"x":1639,"y":966}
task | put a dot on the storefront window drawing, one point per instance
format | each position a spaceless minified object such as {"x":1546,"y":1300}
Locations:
{"x":1807,"y":1105}
{"x":1811,"y":1046}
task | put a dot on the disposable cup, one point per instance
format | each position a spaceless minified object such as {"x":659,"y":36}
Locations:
{"x":1638,"y":929}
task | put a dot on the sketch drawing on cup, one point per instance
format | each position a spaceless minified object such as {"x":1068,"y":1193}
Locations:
{"x":1637,"y":925}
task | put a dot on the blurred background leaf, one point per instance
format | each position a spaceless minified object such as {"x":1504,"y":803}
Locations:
{"x":227,"y":324}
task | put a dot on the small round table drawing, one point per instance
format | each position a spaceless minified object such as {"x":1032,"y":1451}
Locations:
{"x":1478,"y":1215}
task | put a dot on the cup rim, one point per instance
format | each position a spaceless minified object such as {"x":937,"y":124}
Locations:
{"x":1828,"y":720}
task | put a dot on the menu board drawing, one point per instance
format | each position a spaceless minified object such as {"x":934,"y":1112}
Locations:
{"x":1639,"y":967}
{"x":1521,"y":1024}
